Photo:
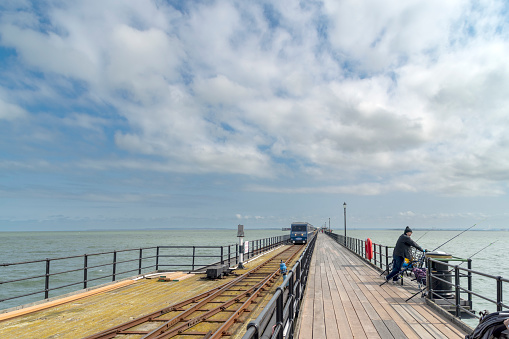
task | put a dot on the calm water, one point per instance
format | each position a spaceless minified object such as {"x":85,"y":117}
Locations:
{"x":26,"y":246}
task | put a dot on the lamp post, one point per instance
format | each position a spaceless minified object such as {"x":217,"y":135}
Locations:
{"x":344,"y":207}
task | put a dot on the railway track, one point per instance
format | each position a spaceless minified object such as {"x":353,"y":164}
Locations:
{"x":210,"y":314}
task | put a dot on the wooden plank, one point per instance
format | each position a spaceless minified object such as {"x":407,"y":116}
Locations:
{"x":395,"y":330}
{"x":306,"y":331}
{"x":382,"y":330}
{"x":339,"y":311}
{"x":65,"y":300}
{"x":318,"y":313}
{"x":331,"y":328}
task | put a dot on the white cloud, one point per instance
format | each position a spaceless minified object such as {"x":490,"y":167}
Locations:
{"x":408,"y":97}
{"x":9,"y":111}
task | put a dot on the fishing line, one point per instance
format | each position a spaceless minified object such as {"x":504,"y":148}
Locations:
{"x":454,"y":237}
{"x":421,"y":236}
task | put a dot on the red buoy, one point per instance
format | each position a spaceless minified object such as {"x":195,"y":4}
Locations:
{"x":369,"y":249}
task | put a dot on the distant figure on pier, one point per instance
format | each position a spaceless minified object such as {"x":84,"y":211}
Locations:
{"x":283,"y":269}
{"x":402,"y":251}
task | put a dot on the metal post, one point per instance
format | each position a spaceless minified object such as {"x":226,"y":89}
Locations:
{"x":380,"y":255}
{"x":291,"y":300}
{"x":115,"y":265}
{"x":157,"y":258}
{"x":46,"y":280}
{"x":469,"y":279}
{"x":387,"y":259}
{"x":194,"y":256}
{"x":499,"y":294}
{"x":229,"y":256}
{"x":279,"y":313}
{"x":344,"y":207}
{"x":85,"y":270}
{"x":457,"y":289}
{"x":139,"y":261}
{"x":428,"y":279}
{"x":222,"y":256}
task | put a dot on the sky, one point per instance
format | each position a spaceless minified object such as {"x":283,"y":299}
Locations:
{"x":142,"y":114}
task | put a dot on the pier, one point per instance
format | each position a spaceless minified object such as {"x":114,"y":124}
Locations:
{"x":329,"y":292}
{"x":343,"y":299}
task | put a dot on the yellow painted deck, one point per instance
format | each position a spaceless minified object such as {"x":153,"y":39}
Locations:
{"x":96,"y":310}
{"x":343,"y":299}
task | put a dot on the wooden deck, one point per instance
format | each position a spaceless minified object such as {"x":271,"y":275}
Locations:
{"x":88,"y":312}
{"x":343,"y":299}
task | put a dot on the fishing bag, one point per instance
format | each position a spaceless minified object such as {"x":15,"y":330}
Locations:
{"x":491,"y":326}
{"x":420,"y":275}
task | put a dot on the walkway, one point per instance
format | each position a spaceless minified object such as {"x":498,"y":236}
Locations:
{"x":344,"y":300}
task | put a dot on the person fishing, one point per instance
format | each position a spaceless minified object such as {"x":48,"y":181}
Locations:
{"x":402,"y":251}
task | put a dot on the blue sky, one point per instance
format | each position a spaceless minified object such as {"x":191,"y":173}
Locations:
{"x":147,"y":114}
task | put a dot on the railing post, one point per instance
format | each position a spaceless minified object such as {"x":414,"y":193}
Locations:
{"x":139,"y":261}
{"x":85,"y":270}
{"x":387,"y":258}
{"x":457,"y":289}
{"x":291,"y":300}
{"x":222,"y":256}
{"x":380,"y":255}
{"x":428,"y":279}
{"x":157,"y":258}
{"x":229,"y":256}
{"x":46,"y":280}
{"x":114,"y":266}
{"x":469,"y":278}
{"x":194,"y":253}
{"x":499,"y":294}
{"x":279,"y":313}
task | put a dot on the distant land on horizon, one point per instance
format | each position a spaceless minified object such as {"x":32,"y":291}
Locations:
{"x":337,"y":230}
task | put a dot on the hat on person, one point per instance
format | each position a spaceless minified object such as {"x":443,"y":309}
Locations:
{"x":407,"y":229}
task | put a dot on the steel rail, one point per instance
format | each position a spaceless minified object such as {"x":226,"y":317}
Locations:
{"x":200,"y":300}
{"x":256,"y":289}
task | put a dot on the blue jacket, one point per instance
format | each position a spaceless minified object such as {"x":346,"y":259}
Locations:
{"x":282,"y":267}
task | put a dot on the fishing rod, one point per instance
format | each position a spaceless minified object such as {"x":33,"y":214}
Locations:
{"x":482,"y":249}
{"x":421,"y":236}
{"x":454,"y":237}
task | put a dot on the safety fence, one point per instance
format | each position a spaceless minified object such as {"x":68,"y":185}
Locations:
{"x":278,"y":317}
{"x":29,"y":281}
{"x":449,"y":282}
{"x":454,"y":288}
{"x":380,"y":256}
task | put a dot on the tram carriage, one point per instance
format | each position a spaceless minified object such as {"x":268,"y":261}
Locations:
{"x":301,"y":232}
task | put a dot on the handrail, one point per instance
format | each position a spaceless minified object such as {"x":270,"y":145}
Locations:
{"x":121,"y":263}
{"x":455,"y":286}
{"x":457,"y":274}
{"x":284,"y":306}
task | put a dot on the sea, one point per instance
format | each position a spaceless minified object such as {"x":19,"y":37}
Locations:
{"x":485,"y":248}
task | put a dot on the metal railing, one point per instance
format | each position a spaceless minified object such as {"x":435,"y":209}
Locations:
{"x":279,"y":315}
{"x":382,"y":255}
{"x":26,"y":282}
{"x":444,"y":288}
{"x":448,"y":285}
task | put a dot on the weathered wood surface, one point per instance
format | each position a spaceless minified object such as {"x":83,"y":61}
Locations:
{"x":343,"y":299}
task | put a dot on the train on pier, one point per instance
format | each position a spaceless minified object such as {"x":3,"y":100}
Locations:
{"x":302,"y":232}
